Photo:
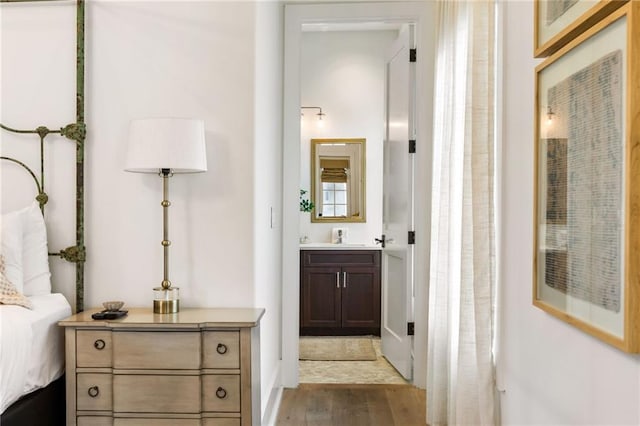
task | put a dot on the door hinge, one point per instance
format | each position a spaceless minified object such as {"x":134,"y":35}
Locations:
{"x":412,"y":146}
{"x":413,"y":54}
{"x":411,"y":239}
{"x":411,"y":328}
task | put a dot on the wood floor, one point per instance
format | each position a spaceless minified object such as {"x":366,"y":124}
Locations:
{"x":366,"y":405}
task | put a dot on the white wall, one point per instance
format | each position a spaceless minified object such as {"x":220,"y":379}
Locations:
{"x":218,"y":61}
{"x":344,"y":72}
{"x":150,"y":59}
{"x":267,"y":160}
{"x":552,"y":373}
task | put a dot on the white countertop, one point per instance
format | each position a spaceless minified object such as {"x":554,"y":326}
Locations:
{"x":344,"y":246}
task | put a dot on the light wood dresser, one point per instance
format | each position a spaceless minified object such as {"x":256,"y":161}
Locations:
{"x":199,"y":367}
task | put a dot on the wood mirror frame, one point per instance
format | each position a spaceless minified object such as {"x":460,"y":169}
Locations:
{"x":345,"y":162}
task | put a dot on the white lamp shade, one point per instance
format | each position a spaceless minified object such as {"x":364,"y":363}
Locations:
{"x":166,"y":143}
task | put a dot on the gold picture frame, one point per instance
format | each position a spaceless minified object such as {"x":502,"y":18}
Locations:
{"x":587,"y":181}
{"x":353,"y":174}
{"x":557,"y":22}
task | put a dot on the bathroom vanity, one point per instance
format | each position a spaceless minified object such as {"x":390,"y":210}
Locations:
{"x":339,"y":290}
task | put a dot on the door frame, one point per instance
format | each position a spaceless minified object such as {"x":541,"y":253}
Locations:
{"x":423,"y":15}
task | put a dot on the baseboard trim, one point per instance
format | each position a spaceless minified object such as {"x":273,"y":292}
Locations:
{"x":274,"y":397}
{"x":271,"y":413}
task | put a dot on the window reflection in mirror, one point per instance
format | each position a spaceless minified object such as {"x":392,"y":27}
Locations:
{"x":338,"y":180}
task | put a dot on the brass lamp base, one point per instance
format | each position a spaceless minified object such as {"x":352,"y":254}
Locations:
{"x":166,"y":306}
{"x":166,"y":300}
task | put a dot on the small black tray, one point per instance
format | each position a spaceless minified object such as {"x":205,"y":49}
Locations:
{"x":108,"y":314}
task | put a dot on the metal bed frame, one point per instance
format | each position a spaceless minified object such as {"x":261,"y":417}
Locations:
{"x":77,"y":133}
{"x":47,"y":406}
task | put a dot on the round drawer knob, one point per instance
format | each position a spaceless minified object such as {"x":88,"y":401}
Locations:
{"x":221,"y":348}
{"x":99,"y":344}
{"x":94,"y":391}
{"x":221,"y":393}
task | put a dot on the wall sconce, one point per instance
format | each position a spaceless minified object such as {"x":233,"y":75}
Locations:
{"x":550,"y":115}
{"x":166,"y":146}
{"x":554,"y":122}
{"x":320,"y":114}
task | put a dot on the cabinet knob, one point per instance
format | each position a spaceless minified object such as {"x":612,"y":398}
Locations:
{"x":94,"y":391}
{"x":221,"y":348}
{"x":221,"y":393}
{"x":99,"y":344}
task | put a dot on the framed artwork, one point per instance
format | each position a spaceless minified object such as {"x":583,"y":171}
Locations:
{"x":557,"y":22}
{"x":587,"y":181}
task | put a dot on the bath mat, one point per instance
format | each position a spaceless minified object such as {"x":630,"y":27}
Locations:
{"x":336,"y":349}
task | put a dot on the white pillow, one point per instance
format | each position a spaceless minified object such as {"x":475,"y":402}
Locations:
{"x":35,"y":257}
{"x":11,"y":237}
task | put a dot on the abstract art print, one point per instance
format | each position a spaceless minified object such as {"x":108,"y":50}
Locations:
{"x":557,"y":8}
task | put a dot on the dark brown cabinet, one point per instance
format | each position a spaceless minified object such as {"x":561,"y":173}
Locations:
{"x":339,"y":292}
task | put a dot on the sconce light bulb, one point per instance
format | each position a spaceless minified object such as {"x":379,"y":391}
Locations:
{"x":320,"y":121}
{"x":550,"y":115}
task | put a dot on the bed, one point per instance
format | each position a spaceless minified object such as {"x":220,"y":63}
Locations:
{"x":35,"y":359}
{"x":32,"y":390}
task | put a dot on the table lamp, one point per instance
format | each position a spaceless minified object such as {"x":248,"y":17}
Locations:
{"x":166,"y":146}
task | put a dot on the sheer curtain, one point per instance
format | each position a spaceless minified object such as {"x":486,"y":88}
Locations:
{"x":460,"y":382}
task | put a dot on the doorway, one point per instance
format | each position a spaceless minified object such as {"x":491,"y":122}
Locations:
{"x":397,"y":13}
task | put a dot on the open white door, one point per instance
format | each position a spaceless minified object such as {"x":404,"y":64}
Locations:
{"x":397,"y":252}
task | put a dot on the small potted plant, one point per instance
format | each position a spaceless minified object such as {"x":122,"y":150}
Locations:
{"x":306,"y":205}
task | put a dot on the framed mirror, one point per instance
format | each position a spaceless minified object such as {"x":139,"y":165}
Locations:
{"x":338,"y":180}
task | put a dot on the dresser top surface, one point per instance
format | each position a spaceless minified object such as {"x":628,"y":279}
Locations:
{"x":186,"y":318}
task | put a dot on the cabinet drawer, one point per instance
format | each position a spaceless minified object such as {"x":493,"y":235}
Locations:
{"x":93,"y":391}
{"x":221,"y":349}
{"x":93,"y":348}
{"x":156,"y":350}
{"x":155,"y":422}
{"x":340,"y":257}
{"x":156,"y":394}
{"x":221,"y":393}
{"x":221,"y":421}
{"x":94,"y":421}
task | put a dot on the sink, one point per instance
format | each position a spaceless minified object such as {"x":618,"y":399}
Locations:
{"x":334,"y":246}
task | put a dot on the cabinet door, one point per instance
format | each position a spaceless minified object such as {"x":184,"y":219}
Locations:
{"x":360,"y":296}
{"x":320,"y":297}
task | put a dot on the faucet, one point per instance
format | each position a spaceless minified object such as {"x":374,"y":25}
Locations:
{"x":339,"y":236}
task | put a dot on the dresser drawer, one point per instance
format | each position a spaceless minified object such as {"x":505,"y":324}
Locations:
{"x":93,"y":348}
{"x":221,"y":349}
{"x":221,"y":393}
{"x":340,"y":257}
{"x":155,"y":422}
{"x":94,"y":392}
{"x":95,"y":421}
{"x":221,"y":421}
{"x":156,"y":350}
{"x":156,"y":394}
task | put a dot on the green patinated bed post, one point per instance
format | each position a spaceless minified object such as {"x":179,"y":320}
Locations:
{"x":80,"y":156}
{"x":77,"y":133}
